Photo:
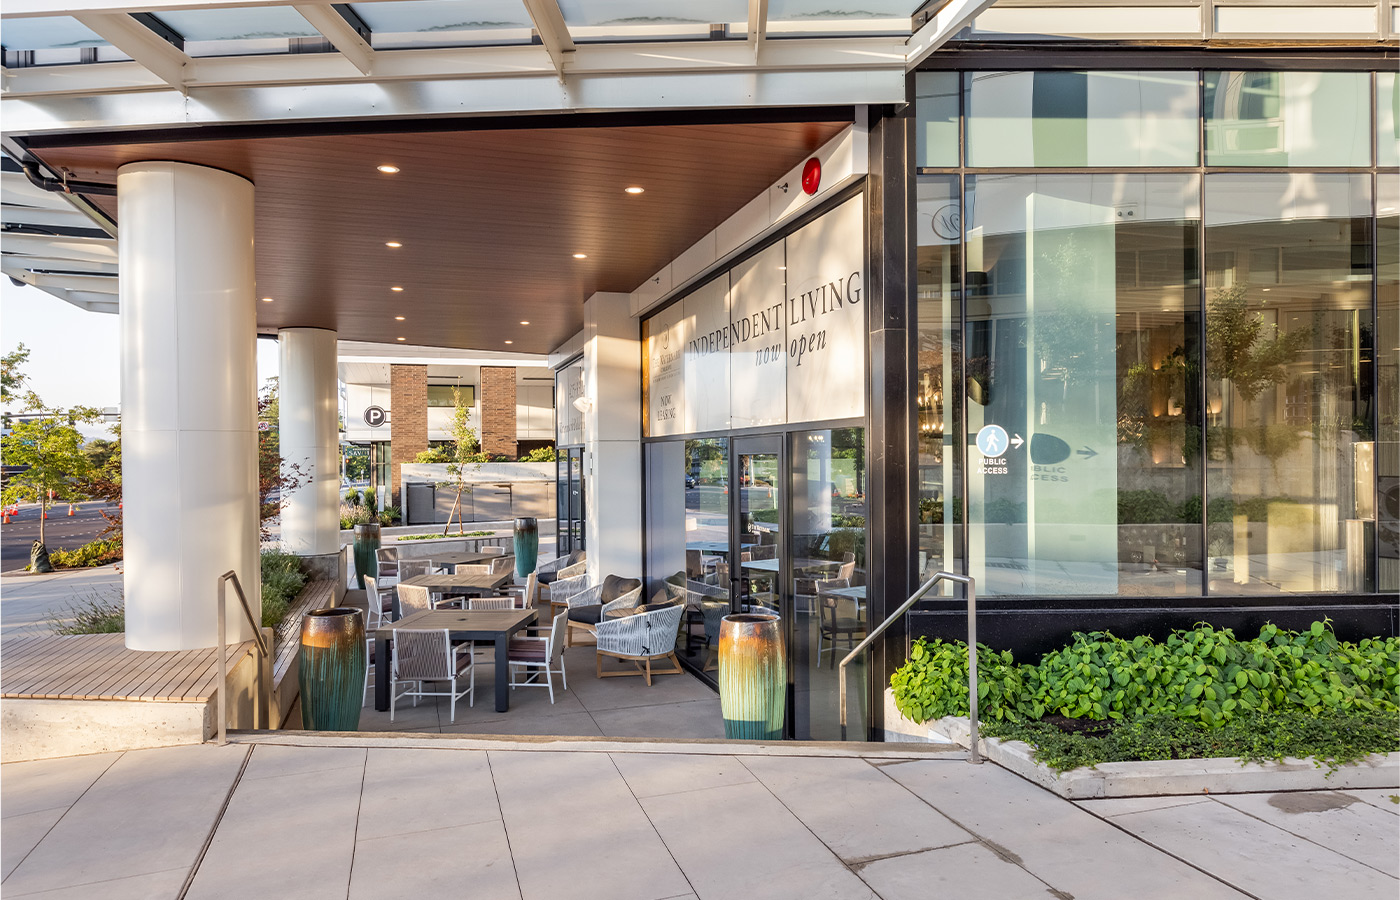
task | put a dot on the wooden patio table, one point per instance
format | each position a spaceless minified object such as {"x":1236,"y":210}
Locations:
{"x":496,"y":625}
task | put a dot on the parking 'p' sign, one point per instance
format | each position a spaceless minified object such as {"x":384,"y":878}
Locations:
{"x":375,"y":416}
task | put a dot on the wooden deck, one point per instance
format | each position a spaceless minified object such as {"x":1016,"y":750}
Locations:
{"x":99,"y":667}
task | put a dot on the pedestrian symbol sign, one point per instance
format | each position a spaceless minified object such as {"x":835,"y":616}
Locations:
{"x":992,"y":441}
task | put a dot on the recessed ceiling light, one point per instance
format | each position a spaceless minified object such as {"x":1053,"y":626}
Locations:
{"x":510,"y":342}
{"x":392,"y":244}
{"x":1266,"y":290}
{"x":524,"y":322}
{"x":267,"y":299}
{"x":389,"y":170}
{"x":396,"y":288}
{"x":635,"y":190}
{"x":399,"y":339}
{"x":580,"y":256}
{"x":398,"y":318}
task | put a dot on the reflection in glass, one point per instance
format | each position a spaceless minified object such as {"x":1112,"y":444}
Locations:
{"x":622,"y":20}
{"x":49,"y":33}
{"x":445,"y":23}
{"x":1289,"y":344}
{"x":1388,"y":384}
{"x":830,"y":613}
{"x":937,"y":389}
{"x":1288,"y":118}
{"x":1387,"y":119}
{"x":239,"y":31}
{"x":688,"y":525}
{"x":824,"y":17}
{"x":1083,"y":412}
{"x":760,"y":504}
{"x":1082,"y":118}
{"x":936,"y":140}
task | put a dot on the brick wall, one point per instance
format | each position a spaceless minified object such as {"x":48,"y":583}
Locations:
{"x":408,"y":409}
{"x":498,"y":410}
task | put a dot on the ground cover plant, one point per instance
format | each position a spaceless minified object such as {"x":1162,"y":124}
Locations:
{"x":93,"y":614}
{"x":438,"y":537}
{"x":94,"y":553}
{"x":1200,"y":688}
{"x":282,"y":580}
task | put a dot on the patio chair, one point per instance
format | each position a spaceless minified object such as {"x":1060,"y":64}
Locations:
{"x":490,"y":603}
{"x":805,"y":586}
{"x":413,"y":599}
{"x":833,"y":624}
{"x":388,"y":561}
{"x":524,"y":594}
{"x":412,"y":568}
{"x":551,"y":569}
{"x":503,"y":564}
{"x":587,"y":604}
{"x":541,"y":651}
{"x":427,"y":656}
{"x":641,"y":638}
{"x":494,"y":551}
{"x":379,"y":602}
{"x":568,"y":573}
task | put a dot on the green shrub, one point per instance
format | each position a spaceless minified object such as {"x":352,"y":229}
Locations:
{"x":1203,"y":674}
{"x":350,"y":516}
{"x":352,"y":497}
{"x":92,"y":615}
{"x":1145,"y":508}
{"x":95,"y":553}
{"x":390,"y":515}
{"x":434,"y":455}
{"x":540,"y":454}
{"x":282,"y":580}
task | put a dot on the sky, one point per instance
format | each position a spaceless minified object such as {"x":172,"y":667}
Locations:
{"x":74,"y":355}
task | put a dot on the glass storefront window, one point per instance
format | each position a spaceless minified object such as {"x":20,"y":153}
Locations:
{"x":830,"y":612}
{"x":1024,"y":119}
{"x":936,"y":141}
{"x":1289,"y":342}
{"x":1083,"y":409}
{"x":1388,"y":383}
{"x":937,"y":394}
{"x":1387,"y":119}
{"x":1288,"y":118}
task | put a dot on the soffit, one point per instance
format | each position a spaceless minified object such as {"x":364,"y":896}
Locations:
{"x":489,"y":220}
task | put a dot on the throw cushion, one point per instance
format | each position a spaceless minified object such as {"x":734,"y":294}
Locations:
{"x":615,"y":586}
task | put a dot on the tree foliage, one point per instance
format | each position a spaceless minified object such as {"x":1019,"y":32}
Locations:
{"x":49,"y":445}
{"x":1239,"y":346}
{"x":461,"y":452}
{"x":11,"y":379}
{"x":273,"y":476}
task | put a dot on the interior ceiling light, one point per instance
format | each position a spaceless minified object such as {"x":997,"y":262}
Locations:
{"x":389,"y":170}
{"x":398,"y":318}
{"x":580,"y":256}
{"x":510,"y":342}
{"x":267,"y":299}
{"x":635,"y":190}
{"x":396,"y":288}
{"x":399,"y":339}
{"x":395,"y":244}
{"x":524,"y":322}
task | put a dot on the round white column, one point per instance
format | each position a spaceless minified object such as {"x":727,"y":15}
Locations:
{"x":309,"y":438}
{"x":189,"y":402}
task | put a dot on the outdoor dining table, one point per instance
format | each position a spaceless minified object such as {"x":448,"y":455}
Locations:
{"x":496,"y":625}
{"x":472,"y":584}
{"x":461,"y":558}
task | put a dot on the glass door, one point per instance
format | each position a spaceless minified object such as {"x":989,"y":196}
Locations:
{"x":754,"y":567}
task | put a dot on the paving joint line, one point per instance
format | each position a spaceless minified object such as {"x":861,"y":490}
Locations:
{"x":66,"y":811}
{"x":214,"y":827}
{"x":669,"y":852}
{"x":1301,"y":837}
{"x":505,"y":829}
{"x":355,"y":838}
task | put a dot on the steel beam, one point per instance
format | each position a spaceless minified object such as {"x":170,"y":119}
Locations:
{"x":141,"y":44}
{"x":553,"y":31}
{"x":342,"y":36}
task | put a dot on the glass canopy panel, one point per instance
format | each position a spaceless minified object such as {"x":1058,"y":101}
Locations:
{"x":49,"y":33}
{"x":648,"y":20}
{"x":445,"y":23}
{"x":238,"y":31}
{"x":825,"y":18}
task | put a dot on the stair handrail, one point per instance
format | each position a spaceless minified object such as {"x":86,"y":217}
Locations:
{"x":263,"y":700}
{"x":970,"y":589}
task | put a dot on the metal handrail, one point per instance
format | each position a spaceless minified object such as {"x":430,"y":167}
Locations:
{"x":262,"y":703}
{"x":970,"y":585}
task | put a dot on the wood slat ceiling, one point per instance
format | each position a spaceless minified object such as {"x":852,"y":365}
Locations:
{"x":488,"y":220}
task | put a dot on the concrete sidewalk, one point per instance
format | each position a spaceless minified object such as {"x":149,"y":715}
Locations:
{"x":376,"y":817}
{"x":27,"y":601}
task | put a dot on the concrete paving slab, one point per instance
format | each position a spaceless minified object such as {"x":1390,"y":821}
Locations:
{"x":50,"y":783}
{"x":149,"y":812}
{"x":407,"y":717}
{"x":1117,"y":806}
{"x":1255,"y":856}
{"x":1330,"y":819}
{"x":615,"y":693}
{"x":293,"y":834}
{"x":578,"y":724}
{"x":853,"y":808}
{"x":740,"y":841}
{"x":1381,"y":798}
{"x":149,"y":886}
{"x":424,"y":790}
{"x":654,"y":775}
{"x":275,"y":762}
{"x":21,"y":834}
{"x":565,"y":811}
{"x":462,"y":861}
{"x":1053,"y":838}
{"x":673,"y":720}
{"x":968,"y":871}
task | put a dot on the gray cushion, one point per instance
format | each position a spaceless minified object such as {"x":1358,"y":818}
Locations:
{"x":588,"y":615}
{"x":615,"y":586}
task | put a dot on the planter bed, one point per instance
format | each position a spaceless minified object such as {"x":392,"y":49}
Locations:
{"x":1229,"y":775}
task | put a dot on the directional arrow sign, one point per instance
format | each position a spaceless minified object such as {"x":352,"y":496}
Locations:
{"x":1017,"y":441}
{"x":1087,"y":453}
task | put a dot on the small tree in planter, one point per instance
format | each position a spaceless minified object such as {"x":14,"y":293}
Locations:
{"x":461,"y":452}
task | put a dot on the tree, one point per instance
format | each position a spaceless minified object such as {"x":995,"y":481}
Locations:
{"x":51,"y":447}
{"x":273,"y":477}
{"x":104,"y":480}
{"x":463,"y":448}
{"x":1241,"y":349}
{"x":11,"y":380}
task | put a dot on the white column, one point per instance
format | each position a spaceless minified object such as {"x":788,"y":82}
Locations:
{"x":612,"y":436}
{"x":189,"y":401}
{"x":309,"y":436}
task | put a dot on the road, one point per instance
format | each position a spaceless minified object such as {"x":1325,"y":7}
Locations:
{"x":61,"y":532}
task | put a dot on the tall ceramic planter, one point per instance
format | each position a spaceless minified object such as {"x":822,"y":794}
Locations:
{"x":332,"y":668}
{"x":527,"y":545}
{"x":366,"y":552}
{"x":752,"y":677}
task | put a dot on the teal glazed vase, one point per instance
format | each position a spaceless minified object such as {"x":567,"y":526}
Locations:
{"x":752,"y":677}
{"x":332,"y":668}
{"x":366,"y":552}
{"x":527,"y":545}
